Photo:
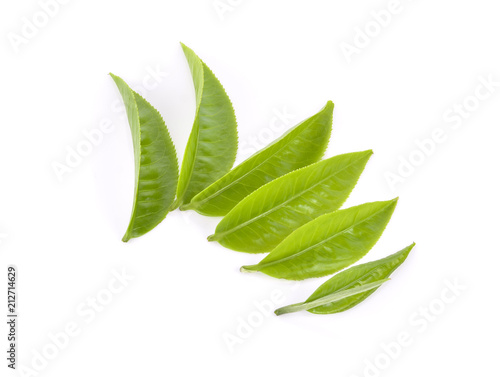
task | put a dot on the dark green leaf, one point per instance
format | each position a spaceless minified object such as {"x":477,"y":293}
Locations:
{"x":212,"y":145}
{"x":156,"y":168}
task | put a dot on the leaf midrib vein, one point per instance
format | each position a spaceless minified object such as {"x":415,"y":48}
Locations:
{"x":321,"y":242}
{"x":196,"y":119}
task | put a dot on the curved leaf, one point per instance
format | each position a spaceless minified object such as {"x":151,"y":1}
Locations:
{"x":301,"y":146}
{"x":266,"y":216}
{"x":156,"y":168}
{"x":330,"y":299}
{"x":327,"y":244}
{"x":212,"y":144}
{"x":357,"y":277}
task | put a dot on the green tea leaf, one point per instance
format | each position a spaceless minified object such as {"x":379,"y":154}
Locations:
{"x":358,"y":275}
{"x":301,"y":146}
{"x":330,"y":299}
{"x":156,"y":168}
{"x":266,"y":216}
{"x":212,"y":145}
{"x":327,"y":244}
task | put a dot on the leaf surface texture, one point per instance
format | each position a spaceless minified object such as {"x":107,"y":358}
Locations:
{"x":360,"y":277}
{"x":327,"y":244}
{"x":156,"y":168}
{"x":212,"y":144}
{"x":330,"y":299}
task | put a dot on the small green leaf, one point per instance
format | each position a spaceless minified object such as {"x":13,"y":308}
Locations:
{"x":327,"y":244}
{"x":266,"y":216}
{"x":212,"y":145}
{"x":156,"y":168}
{"x":330,"y":299}
{"x":339,"y":293}
{"x":302,"y":145}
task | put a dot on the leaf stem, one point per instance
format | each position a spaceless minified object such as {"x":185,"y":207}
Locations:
{"x":252,"y":268}
{"x":175,"y":205}
{"x":213,"y":237}
{"x":187,"y":206}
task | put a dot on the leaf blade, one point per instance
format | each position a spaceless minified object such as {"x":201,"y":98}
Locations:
{"x":155,"y":160}
{"x":211,"y":149}
{"x":361,"y":274}
{"x":366,"y":277}
{"x":304,"y":144}
{"x":327,"y":244}
{"x":331,"y":298}
{"x":265,"y":217}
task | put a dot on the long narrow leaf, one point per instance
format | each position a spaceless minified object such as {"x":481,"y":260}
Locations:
{"x":339,"y":293}
{"x":330,"y":299}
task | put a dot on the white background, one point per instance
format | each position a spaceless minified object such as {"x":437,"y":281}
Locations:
{"x":188,"y":294}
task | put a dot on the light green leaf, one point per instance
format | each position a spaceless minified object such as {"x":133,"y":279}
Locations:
{"x":266,"y":216}
{"x":302,"y":145}
{"x":346,"y":282}
{"x":212,"y":145}
{"x":327,"y":244}
{"x":156,"y":168}
{"x":330,"y":299}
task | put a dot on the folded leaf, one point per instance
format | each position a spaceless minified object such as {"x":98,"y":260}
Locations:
{"x":346,"y":282}
{"x":330,"y":299}
{"x":327,"y":244}
{"x":212,"y":145}
{"x":266,"y":216}
{"x":156,"y":168}
{"x":302,"y":145}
